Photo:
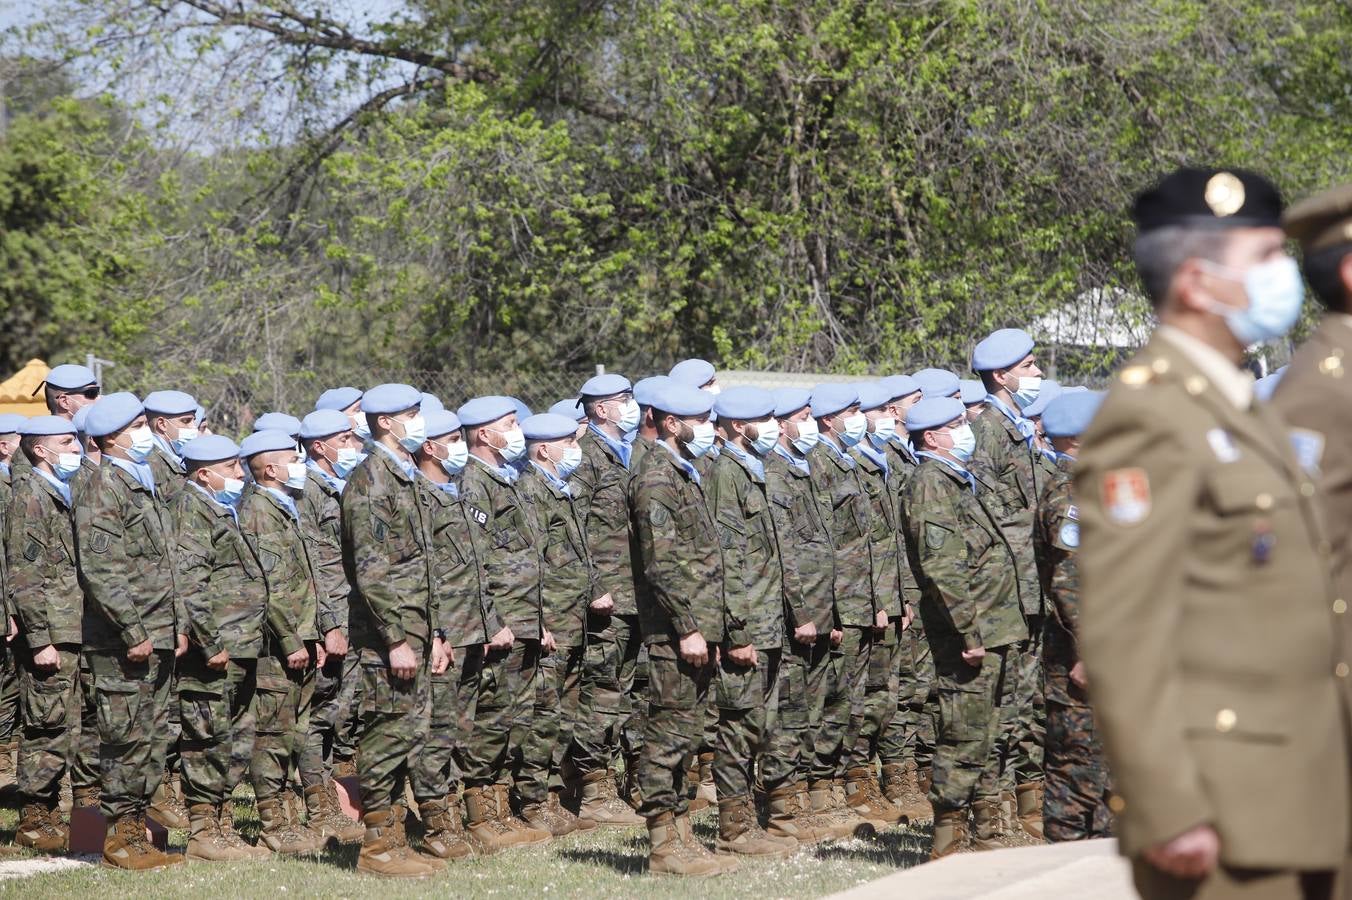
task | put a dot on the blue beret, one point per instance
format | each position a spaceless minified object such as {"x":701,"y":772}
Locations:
{"x":1002,"y":349}
{"x":606,"y":385}
{"x":1049,"y":392}
{"x":264,"y":442}
{"x":111,"y":413}
{"x":744,"y":402}
{"x":338,"y":398}
{"x":1070,"y":414}
{"x":873,"y":395}
{"x":1263,"y":387}
{"x":938,"y":382}
{"x":441,"y":422}
{"x":385,"y":399}
{"x":900,"y":385}
{"x":646,"y":388}
{"x":10,"y":423}
{"x":277,"y":421}
{"x":522,"y":410}
{"x":210,"y":448}
{"x":324,"y":422}
{"x":201,"y":414}
{"x":41,"y":426}
{"x":789,"y":400}
{"x":169,"y":403}
{"x":483,"y":410}
{"x":570,"y":408}
{"x":682,"y":400}
{"x":694,"y":372}
{"x":430,"y":402}
{"x":548,"y":427}
{"x":931,"y":412}
{"x":69,"y":377}
{"x":972,"y":392}
{"x":829,"y":399}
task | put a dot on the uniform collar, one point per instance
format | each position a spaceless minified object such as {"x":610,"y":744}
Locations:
{"x":558,"y":485}
{"x":797,"y":462}
{"x":140,"y":472}
{"x":1233,"y":383}
{"x":952,"y":466}
{"x":502,"y":473}
{"x":1025,"y":426}
{"x":174,"y":459}
{"x":407,"y":469}
{"x":60,"y":487}
{"x":216,"y":506}
{"x":335,"y":484}
{"x":748,"y":462}
{"x":835,"y":451}
{"x":873,"y":454}
{"x":285,"y":501}
{"x":681,"y":463}
{"x":620,"y":449}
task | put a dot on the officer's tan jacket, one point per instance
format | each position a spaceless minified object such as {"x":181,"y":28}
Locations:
{"x":1207,"y":625}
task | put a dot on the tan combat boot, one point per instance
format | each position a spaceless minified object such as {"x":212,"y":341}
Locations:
{"x":541,"y":817}
{"x":40,"y":828}
{"x":326,"y":818}
{"x":788,"y":820}
{"x":529,"y":835}
{"x":822,"y":823}
{"x":166,"y":807}
{"x":740,"y":833}
{"x":706,"y":791}
{"x":443,"y":832}
{"x":840,"y":796}
{"x":385,"y":853}
{"x":901,"y":787}
{"x":205,"y":841}
{"x":601,"y":806}
{"x":694,"y":802}
{"x":950,"y":833}
{"x":126,"y":847}
{"x":486,"y":834}
{"x":864,"y":797}
{"x":557,"y":809}
{"x":225,"y":821}
{"x":844,"y":821}
{"x":1029,"y":808}
{"x":671,"y":855}
{"x":84,"y":797}
{"x":344,"y":768}
{"x":277,"y":832}
{"x":987,"y":832}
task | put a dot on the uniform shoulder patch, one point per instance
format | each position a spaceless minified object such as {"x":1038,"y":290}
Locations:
{"x":477,"y":514}
{"x":1126,"y":495}
{"x":1309,"y":448}
{"x":267,"y":559}
{"x":659,"y":515}
{"x":32,"y":551}
{"x":379,"y":528}
{"x":936,"y":535}
{"x":1070,"y":534}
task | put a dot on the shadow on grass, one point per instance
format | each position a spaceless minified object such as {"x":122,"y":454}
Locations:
{"x":621,"y":863}
{"x":898,"y":849}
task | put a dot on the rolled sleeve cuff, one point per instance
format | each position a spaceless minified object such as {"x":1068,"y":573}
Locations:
{"x":392,"y":634}
{"x":685,"y":624}
{"x":971,"y":640}
{"x":38,"y":639}
{"x":134,"y":634}
{"x":330,"y":622}
{"x":291,"y":643}
{"x":212,"y":648}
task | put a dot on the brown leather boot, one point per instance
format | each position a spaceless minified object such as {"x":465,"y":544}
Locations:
{"x":385,"y":853}
{"x":841,"y":796}
{"x":443,"y":831}
{"x":864,"y":797}
{"x":486,"y":834}
{"x":950,"y":833}
{"x":844,"y":821}
{"x":557,"y":809}
{"x":126,"y":847}
{"x":83,"y":797}
{"x":344,"y":768}
{"x":326,"y":819}
{"x":901,"y":787}
{"x":205,"y":841}
{"x":530,"y":836}
{"x":671,"y":855}
{"x":1029,"y":808}
{"x":225,"y":821}
{"x":601,"y":806}
{"x":740,"y":833}
{"x":166,"y":807}
{"x":986,"y":829}
{"x":788,"y":820}
{"x":40,"y":828}
{"x":277,"y":831}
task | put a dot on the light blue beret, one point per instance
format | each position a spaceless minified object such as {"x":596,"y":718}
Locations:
{"x":606,"y":385}
{"x":265,"y":442}
{"x":522,"y":410}
{"x":694,"y":372}
{"x":1263,"y":387}
{"x":169,"y":403}
{"x":1002,"y":349}
{"x":111,"y":413}
{"x":682,"y":399}
{"x":200,"y":416}
{"x":570,"y":408}
{"x":338,"y":398}
{"x":938,"y":382}
{"x":324,"y":422}
{"x":744,"y":402}
{"x":973,"y":392}
{"x":430,"y":402}
{"x":10,"y":423}
{"x":873,"y":395}
{"x":386,"y":399}
{"x":1049,"y":392}
{"x":70,"y":377}
{"x":645,"y":388}
{"x":441,"y":422}
{"x":41,"y":426}
{"x":548,"y":427}
{"x":829,"y":399}
{"x":900,"y":385}
{"x":932,"y":412}
{"x":789,"y":400}
{"x":210,"y":448}
{"x":278,"y":421}
{"x":1070,"y":414}
{"x":482,"y":410}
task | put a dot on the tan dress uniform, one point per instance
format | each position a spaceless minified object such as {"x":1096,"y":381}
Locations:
{"x":1209,"y":626}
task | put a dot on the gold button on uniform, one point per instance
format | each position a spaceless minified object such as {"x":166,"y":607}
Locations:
{"x":1263,"y":501}
{"x":1341,"y":670}
{"x":1225,"y":720}
{"x":1116,"y":803}
{"x":1340,"y":606}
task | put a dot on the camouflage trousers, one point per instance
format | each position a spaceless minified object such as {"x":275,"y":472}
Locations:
{"x":53,"y":734}
{"x":558,"y":697}
{"x":967,"y":765}
{"x":394,"y":713}
{"x":1023,"y":717}
{"x":217,"y":725}
{"x":333,"y":714}
{"x":881,"y":688}
{"x":131,"y":702}
{"x":609,"y":667}
{"x":911,"y":735}
{"x":436,"y":761}
{"x":798,"y":713}
{"x":502,"y":713}
{"x":282,"y":701}
{"x":747,"y":698}
{"x":678,"y":700}
{"x":1075,"y":797}
{"x":9,"y":693}
{"x":843,"y":710}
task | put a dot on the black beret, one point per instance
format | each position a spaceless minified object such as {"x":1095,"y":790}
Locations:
{"x":1322,"y":221}
{"x":1221,"y":198}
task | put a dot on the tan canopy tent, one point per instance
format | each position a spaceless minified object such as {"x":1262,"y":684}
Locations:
{"x":17,"y":393}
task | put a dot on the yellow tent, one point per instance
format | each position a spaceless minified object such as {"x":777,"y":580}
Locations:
{"x":17,"y":392}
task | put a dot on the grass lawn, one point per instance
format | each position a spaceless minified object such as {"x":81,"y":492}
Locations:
{"x":601,"y":863}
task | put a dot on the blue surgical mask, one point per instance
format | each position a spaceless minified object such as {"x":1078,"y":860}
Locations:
{"x":348,"y":459}
{"x":142,"y":442}
{"x":295,"y":476}
{"x":964,"y":442}
{"x":1029,"y":387}
{"x":572,"y":458}
{"x":184,"y":435}
{"x":807,"y":435}
{"x":702,"y":441}
{"x":360,"y":427}
{"x":629,"y":417}
{"x":515,"y":447}
{"x":230,"y":492}
{"x":67,"y":464}
{"x":884,"y":429}
{"x":415,"y":432}
{"x":853,"y":429}
{"x":457,"y":456}
{"x":767,"y":436}
{"x":1275,"y":294}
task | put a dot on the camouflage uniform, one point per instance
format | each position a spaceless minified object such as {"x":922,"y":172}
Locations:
{"x":969,"y":599}
{"x":1075,"y":806}
{"x":127,"y":573}
{"x":283,"y":695}
{"x":44,"y":590}
{"x":683,"y":568}
{"x":503,"y":534}
{"x":225,"y":598}
{"x":170,"y":479}
{"x":9,"y":676}
{"x":386,"y":556}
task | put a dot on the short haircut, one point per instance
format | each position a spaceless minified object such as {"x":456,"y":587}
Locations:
{"x":49,"y":394}
{"x":1323,"y":271}
{"x":1161,"y":251}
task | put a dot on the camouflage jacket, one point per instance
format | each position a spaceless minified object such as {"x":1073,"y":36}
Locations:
{"x":503,"y":529}
{"x":43,"y":581}
{"x":678,"y":551}
{"x":884,"y":536}
{"x":753,"y":581}
{"x":219,"y":578}
{"x":387,"y":555}
{"x":1056,"y":537}
{"x":807,"y":560}
{"x":567,"y":578}
{"x":640,"y":448}
{"x":126,"y":564}
{"x":969,"y":595}
{"x":321,"y":519}
{"x":601,"y":483}
{"x":7,"y":477}
{"x":278,"y":540}
{"x":1007,"y":470}
{"x":835,"y":479}
{"x":170,"y":479}
{"x":466,"y":616}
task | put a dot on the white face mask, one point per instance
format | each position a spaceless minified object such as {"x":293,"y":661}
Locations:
{"x":415,"y":432}
{"x":807,"y":435}
{"x":515,"y":446}
{"x":853,"y":429}
{"x":348,"y":458}
{"x":767,"y":436}
{"x":360,"y":427}
{"x":964,"y":442}
{"x":184,"y":435}
{"x":884,"y":429}
{"x":572,"y":458}
{"x":629,"y":417}
{"x":231,"y":490}
{"x":142,"y":442}
{"x":67,"y":464}
{"x":713,"y":389}
{"x":457,"y":456}
{"x":1029,"y":387}
{"x":295,"y":476}
{"x":702,"y":441}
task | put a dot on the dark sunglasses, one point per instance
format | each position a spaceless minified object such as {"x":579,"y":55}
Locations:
{"x":89,"y":393}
